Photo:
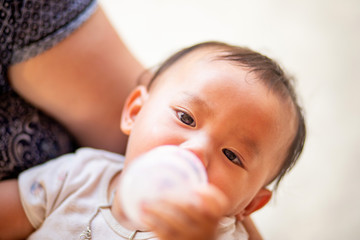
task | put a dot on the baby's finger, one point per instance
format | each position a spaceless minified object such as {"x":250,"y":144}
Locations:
{"x":173,"y":220}
{"x":214,"y":200}
{"x":162,"y":220}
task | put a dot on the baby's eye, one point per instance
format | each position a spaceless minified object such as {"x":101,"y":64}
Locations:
{"x":185,"y":118}
{"x":232,"y":157}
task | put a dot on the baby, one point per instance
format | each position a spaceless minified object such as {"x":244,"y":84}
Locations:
{"x":230,"y":106}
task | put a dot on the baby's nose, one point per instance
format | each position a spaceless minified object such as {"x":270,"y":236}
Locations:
{"x":199,"y":146}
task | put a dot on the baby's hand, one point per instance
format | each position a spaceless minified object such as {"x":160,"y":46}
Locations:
{"x":184,"y":220}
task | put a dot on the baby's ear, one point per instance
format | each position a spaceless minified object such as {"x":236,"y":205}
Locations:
{"x":133,"y":104}
{"x":262,"y":197}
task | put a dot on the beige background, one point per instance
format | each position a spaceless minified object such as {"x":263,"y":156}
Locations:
{"x":317,"y":41}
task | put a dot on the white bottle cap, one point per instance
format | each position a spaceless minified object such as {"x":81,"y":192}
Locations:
{"x":166,"y":171}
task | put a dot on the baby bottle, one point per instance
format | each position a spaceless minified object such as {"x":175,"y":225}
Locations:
{"x":164,"y":172}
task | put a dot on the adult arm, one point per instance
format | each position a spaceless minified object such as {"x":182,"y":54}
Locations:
{"x":82,"y":82}
{"x":14,"y":223}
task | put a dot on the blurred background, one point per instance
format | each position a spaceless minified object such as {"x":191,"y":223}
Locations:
{"x":317,"y":41}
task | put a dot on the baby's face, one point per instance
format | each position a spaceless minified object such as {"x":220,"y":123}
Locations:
{"x":238,"y":128}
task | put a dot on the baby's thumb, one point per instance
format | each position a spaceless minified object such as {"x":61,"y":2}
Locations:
{"x":216,"y":202}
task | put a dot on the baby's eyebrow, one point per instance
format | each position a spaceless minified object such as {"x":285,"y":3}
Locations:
{"x":250,"y":143}
{"x":198,"y":101}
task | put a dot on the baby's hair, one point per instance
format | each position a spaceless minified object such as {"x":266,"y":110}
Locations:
{"x":270,"y":73}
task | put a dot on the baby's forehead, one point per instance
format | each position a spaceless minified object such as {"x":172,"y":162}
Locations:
{"x":225,"y":59}
{"x":196,"y":59}
{"x":201,"y":62}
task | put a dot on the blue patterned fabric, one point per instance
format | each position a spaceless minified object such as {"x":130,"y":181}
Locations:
{"x":27,"y":28}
